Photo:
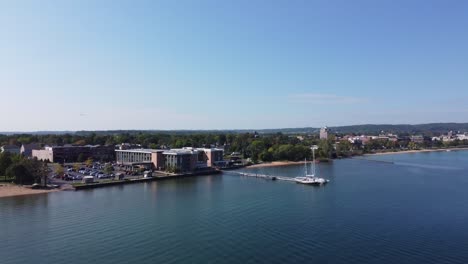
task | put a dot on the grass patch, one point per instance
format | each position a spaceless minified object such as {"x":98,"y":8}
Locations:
{"x":6,"y":179}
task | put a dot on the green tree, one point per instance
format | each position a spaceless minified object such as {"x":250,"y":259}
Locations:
{"x":266,"y":155}
{"x":20,"y":174}
{"x":76,"y":167}
{"x":80,"y":157}
{"x":59,"y":170}
{"x":343,"y":148}
{"x":89,"y":162}
{"x":325,"y":148}
{"x":108,"y":169}
{"x":5,"y":162}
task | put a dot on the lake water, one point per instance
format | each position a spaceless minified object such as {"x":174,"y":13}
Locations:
{"x":414,"y":210}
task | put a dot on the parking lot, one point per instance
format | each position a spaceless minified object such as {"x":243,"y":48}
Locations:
{"x":74,"y":172}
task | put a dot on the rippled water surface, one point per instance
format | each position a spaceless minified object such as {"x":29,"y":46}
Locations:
{"x":411,"y":208}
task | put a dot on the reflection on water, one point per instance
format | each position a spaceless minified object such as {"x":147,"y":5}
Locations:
{"x":428,"y":166}
{"x":370,"y":212}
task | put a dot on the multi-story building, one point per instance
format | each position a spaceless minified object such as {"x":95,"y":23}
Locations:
{"x":26,"y":149}
{"x":324,"y":133}
{"x":70,"y":153}
{"x":213,"y":156}
{"x":13,"y":149}
{"x":181,"y":160}
{"x":124,"y":146}
{"x":417,"y":139}
{"x":149,"y":158}
{"x":462,"y":136}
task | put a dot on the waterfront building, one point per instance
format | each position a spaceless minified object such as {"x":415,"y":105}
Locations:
{"x":450,"y":134}
{"x":69,"y":153}
{"x":149,"y":158}
{"x":462,"y":136}
{"x":26,"y":149}
{"x":213,"y":156}
{"x":324,"y":133}
{"x":124,"y":146}
{"x":417,"y":139}
{"x":182,"y":160}
{"x":13,"y":149}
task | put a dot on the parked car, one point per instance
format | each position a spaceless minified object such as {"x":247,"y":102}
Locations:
{"x":103,"y":176}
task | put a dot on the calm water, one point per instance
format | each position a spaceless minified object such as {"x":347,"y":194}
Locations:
{"x":412,"y":211}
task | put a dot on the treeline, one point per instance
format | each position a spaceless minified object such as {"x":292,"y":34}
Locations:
{"x":377,"y":144}
{"x":150,"y":140}
{"x":432,"y":129}
{"x":250,"y":145}
{"x":20,"y":170}
{"x":257,"y":147}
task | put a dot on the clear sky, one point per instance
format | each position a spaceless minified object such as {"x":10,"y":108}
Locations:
{"x":96,"y":65}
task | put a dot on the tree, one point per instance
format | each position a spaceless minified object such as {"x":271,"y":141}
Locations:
{"x":59,"y":170}
{"x":413,"y":145}
{"x":254,"y":149}
{"x":108,"y":169}
{"x":266,"y":155}
{"x":325,"y":149}
{"x":20,"y":174}
{"x":89,"y":162}
{"x":76,"y":167}
{"x":5,"y":162}
{"x":80,"y":158}
{"x":153,"y":146}
{"x":343,"y":148}
{"x":38,"y":170}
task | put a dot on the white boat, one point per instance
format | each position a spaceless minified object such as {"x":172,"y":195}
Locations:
{"x":310,"y":178}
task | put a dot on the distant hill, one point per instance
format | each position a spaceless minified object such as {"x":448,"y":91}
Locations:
{"x":374,"y":129}
{"x":433,"y":128}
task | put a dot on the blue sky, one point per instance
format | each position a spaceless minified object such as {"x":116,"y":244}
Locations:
{"x":95,"y":65}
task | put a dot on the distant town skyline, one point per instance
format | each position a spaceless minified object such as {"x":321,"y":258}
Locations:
{"x":168,"y":65}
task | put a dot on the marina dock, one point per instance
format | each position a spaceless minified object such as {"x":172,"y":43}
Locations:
{"x":374,"y":160}
{"x":262,"y":176}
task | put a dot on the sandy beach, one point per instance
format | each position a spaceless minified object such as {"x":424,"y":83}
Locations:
{"x":288,"y":163}
{"x":7,"y":190}
{"x":275,"y":163}
{"x":415,"y":151}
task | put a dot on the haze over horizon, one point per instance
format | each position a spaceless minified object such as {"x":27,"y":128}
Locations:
{"x":140,"y":65}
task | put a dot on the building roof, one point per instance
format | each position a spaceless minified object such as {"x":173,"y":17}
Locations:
{"x":140,"y":150}
{"x":10,"y":147}
{"x":180,"y":152}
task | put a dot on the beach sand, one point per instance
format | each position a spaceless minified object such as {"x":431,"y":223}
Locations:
{"x":275,"y":163}
{"x":414,"y":151}
{"x":288,"y":163}
{"x":7,"y":190}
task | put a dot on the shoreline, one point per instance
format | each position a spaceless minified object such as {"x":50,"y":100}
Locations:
{"x":10,"y":190}
{"x":275,"y":164}
{"x":415,"y":151}
{"x":289,"y":163}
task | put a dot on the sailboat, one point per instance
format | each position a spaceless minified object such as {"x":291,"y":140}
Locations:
{"x":310,"y":178}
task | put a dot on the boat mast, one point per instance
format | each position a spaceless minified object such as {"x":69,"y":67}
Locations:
{"x":305,"y":166}
{"x":313,"y":159}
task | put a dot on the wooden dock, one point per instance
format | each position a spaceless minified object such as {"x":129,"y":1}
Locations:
{"x":262,"y":176}
{"x":374,"y":160}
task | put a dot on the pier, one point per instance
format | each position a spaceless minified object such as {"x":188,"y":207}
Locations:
{"x":262,"y":176}
{"x":374,"y":160}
